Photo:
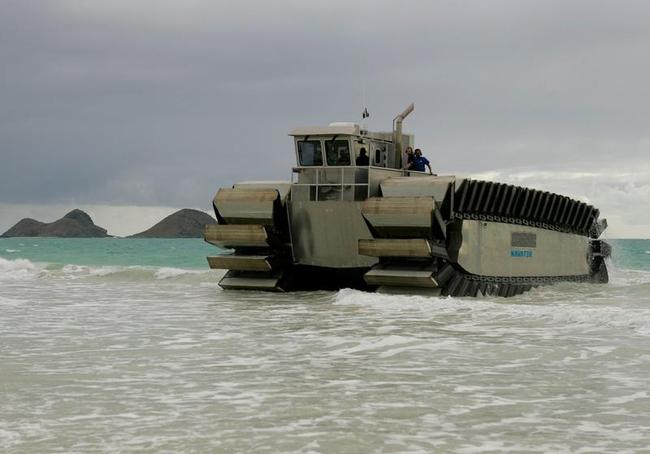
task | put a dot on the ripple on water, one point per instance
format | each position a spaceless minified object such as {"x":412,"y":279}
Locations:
{"x":159,"y":360}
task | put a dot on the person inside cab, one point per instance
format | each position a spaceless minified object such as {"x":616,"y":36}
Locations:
{"x":409,"y":158}
{"x":362,"y":159}
{"x":420,"y":162}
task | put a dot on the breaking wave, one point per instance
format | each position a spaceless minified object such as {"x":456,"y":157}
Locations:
{"x":19,"y":269}
{"x":23,"y":269}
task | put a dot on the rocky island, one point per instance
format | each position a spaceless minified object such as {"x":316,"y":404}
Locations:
{"x":75,"y":224}
{"x":185,"y":223}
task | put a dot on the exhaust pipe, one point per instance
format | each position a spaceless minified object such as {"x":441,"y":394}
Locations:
{"x":397,"y":133}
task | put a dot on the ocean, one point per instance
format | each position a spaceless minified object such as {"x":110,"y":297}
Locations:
{"x":129,"y":345}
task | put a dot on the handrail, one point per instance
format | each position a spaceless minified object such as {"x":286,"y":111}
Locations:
{"x":341,"y":183}
{"x":347,"y":167}
{"x":340,"y":179}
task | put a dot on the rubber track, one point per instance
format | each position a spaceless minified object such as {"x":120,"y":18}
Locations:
{"x":490,"y":201}
{"x":457,"y":283}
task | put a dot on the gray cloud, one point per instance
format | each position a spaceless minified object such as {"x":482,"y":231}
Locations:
{"x":160,"y":102}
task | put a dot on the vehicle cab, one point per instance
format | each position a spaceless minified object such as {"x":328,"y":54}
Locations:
{"x":330,"y":163}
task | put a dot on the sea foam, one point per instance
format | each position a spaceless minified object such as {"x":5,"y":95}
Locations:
{"x":577,"y":305}
{"x":168,"y":273}
{"x":23,"y":269}
{"x":18,"y":269}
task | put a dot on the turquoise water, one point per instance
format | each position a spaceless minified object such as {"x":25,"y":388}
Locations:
{"x":191,"y":253}
{"x":177,"y":253}
{"x":631,"y":254}
{"x":130,"y":345}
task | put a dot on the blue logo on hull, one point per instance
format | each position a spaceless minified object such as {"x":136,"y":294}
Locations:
{"x":521,"y":253}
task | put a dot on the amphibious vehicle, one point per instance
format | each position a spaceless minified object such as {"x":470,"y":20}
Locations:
{"x":380,"y":226}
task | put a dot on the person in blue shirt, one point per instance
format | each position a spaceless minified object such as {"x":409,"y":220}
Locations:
{"x":419,"y":162}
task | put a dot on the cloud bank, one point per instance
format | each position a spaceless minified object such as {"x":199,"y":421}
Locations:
{"x":158,"y":103}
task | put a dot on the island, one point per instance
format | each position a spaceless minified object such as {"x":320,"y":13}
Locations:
{"x":75,"y":224}
{"x":185,"y":223}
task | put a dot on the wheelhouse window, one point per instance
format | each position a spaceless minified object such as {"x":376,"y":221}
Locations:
{"x":310,"y":153}
{"x":337,"y":152}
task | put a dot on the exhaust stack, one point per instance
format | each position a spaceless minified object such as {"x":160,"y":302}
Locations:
{"x":397,"y":132}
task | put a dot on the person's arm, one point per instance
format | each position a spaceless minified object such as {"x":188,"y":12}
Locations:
{"x":430,"y":171}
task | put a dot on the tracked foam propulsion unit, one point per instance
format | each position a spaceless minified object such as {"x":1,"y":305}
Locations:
{"x":354,"y":215}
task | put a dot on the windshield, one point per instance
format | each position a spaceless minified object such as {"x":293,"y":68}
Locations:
{"x":310,"y":153}
{"x":337,"y":152}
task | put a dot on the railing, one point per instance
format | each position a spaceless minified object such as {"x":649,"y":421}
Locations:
{"x":330,"y":183}
{"x":346,"y":183}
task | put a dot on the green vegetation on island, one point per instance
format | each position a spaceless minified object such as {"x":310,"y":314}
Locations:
{"x":75,"y":224}
{"x":185,"y":223}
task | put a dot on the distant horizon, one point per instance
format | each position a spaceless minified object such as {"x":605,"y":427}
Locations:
{"x":134,"y":219}
{"x":155,"y":215}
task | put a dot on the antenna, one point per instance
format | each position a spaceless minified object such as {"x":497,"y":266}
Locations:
{"x":365,"y":114}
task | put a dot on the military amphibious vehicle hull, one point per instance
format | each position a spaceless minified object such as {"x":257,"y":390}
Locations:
{"x":379,"y":226}
{"x":460,"y":237}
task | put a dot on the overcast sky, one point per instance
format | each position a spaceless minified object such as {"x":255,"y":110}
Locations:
{"x":154,"y":104}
